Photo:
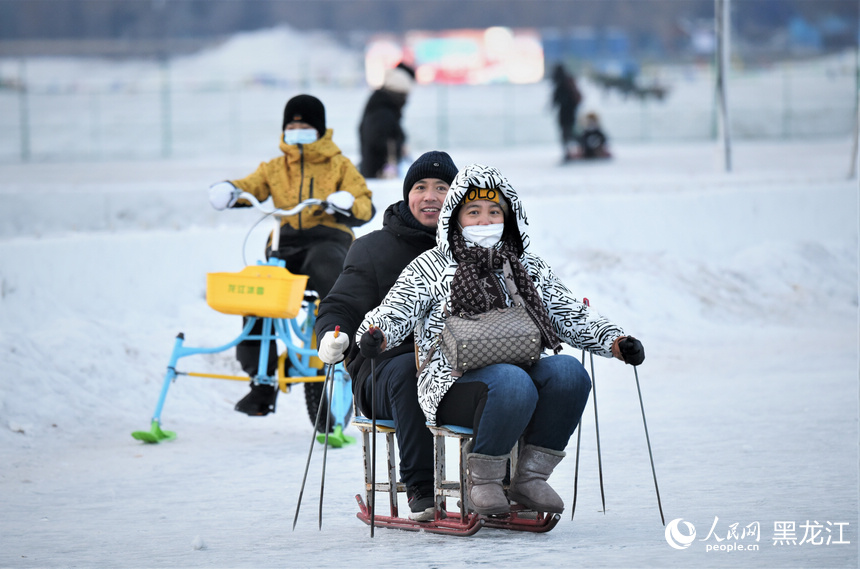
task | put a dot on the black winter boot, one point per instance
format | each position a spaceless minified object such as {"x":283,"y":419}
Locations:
{"x":260,"y":400}
{"x":420,"y":497}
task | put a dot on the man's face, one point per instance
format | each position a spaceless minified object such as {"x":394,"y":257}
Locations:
{"x":425,"y":200}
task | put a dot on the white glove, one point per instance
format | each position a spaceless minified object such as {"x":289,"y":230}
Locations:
{"x":223,"y":195}
{"x":341,"y":200}
{"x":331,"y":348}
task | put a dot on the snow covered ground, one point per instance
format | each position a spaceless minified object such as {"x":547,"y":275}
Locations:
{"x":742,"y":287}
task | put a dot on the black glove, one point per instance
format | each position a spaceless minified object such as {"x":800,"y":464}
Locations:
{"x":632,"y":351}
{"x":371,"y":343}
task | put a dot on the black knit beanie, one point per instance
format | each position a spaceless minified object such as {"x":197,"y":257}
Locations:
{"x":305,"y":108}
{"x":407,"y":68}
{"x":433,"y":164}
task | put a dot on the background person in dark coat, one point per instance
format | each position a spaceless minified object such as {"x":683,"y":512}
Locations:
{"x":372,"y":266}
{"x":381,"y":137}
{"x":566,"y":97}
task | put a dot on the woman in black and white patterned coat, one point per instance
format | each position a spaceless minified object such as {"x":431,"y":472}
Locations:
{"x":482,"y":225}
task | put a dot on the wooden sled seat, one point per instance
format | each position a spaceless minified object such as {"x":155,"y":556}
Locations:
{"x":391,"y":486}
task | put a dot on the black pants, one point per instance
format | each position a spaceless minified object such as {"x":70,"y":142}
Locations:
{"x":463,"y":405}
{"x":567,"y":124}
{"x":320,"y":259}
{"x":396,"y":395}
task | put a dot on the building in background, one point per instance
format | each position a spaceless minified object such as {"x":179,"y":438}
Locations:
{"x":467,"y":56}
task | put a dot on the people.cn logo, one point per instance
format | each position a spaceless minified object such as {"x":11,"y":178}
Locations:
{"x":676,"y":538}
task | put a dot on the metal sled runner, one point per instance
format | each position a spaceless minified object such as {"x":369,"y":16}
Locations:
{"x":461,"y":522}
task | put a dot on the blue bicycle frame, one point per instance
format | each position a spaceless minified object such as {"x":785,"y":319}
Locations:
{"x":297,"y":336}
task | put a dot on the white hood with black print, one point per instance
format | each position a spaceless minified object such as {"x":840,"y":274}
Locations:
{"x":416,"y":301}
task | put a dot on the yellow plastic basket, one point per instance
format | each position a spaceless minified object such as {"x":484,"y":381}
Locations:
{"x":261,"y":290}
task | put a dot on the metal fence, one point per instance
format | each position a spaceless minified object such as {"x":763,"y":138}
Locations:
{"x":149,"y":110}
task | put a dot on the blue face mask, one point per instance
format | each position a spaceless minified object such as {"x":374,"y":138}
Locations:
{"x":300,"y":136}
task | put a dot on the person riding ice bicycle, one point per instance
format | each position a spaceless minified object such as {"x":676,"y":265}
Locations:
{"x":482,"y":229}
{"x":372,"y":266}
{"x":313,"y":242}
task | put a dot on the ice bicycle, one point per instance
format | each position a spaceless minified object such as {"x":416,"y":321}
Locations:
{"x":270,"y":292}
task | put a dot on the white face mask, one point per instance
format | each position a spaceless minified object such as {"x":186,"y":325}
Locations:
{"x":484,"y":235}
{"x":300,"y":136}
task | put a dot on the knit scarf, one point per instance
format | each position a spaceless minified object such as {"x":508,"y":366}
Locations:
{"x":475,"y":289}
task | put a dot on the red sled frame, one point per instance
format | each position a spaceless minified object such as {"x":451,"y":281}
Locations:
{"x":459,"y":523}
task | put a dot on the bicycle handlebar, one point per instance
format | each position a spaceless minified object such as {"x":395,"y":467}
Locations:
{"x":293,"y":211}
{"x":278,"y":213}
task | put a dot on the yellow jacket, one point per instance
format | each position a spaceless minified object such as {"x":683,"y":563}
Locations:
{"x":314,"y":170}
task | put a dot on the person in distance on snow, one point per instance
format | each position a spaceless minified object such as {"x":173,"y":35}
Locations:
{"x":380,"y":135}
{"x":313,"y":242}
{"x":592,"y":140}
{"x":483,"y":223}
{"x":566,"y":96}
{"x":372,"y":266}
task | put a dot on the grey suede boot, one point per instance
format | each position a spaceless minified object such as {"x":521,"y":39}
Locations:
{"x":484,"y":475}
{"x":529,"y":484}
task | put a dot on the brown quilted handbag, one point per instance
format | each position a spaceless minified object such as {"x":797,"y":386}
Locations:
{"x":500,"y":336}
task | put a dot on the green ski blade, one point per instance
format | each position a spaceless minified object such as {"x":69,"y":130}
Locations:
{"x":154,"y":435}
{"x":336,"y":439}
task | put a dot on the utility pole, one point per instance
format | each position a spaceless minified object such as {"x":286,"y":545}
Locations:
{"x":722,"y":19}
{"x":24,"y":109}
{"x":855,"y":149}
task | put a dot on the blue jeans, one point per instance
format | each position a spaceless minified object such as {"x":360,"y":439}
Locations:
{"x":543,"y":404}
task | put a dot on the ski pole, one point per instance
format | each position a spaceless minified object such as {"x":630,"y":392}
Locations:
{"x":330,"y":372}
{"x":373,"y":445}
{"x":576,"y":465}
{"x":310,"y":452}
{"x":597,"y":433}
{"x":648,"y":440}
{"x":596,"y":426}
{"x":330,"y":383}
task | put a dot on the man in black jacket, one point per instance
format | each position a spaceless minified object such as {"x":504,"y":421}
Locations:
{"x":372,"y":266}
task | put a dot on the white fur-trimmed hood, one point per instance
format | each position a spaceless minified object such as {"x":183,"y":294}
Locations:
{"x":479,"y":176}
